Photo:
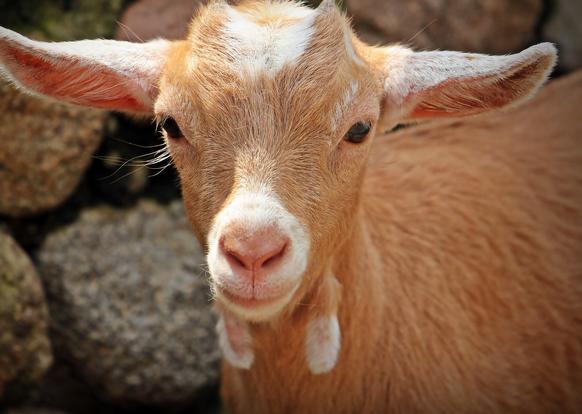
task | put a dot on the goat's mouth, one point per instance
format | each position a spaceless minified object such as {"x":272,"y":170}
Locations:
{"x":249,"y":302}
{"x":254,"y":307}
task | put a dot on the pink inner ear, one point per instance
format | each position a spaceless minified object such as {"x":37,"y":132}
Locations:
{"x":451,"y":100}
{"x":463,"y":97}
{"x":73,"y":81}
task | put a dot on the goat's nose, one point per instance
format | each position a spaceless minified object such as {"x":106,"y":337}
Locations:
{"x":253,"y":252}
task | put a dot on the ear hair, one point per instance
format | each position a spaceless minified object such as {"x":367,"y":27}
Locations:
{"x":453,"y":84}
{"x":99,"y":73}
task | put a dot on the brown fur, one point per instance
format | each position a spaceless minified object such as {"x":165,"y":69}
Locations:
{"x":457,"y":249}
{"x":462,"y":277}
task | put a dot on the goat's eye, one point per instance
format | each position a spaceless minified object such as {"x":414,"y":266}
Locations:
{"x":172,"y":129}
{"x":358,"y":132}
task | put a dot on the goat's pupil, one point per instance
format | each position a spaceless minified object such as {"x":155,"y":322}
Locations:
{"x":358,"y":132}
{"x":172,"y":129}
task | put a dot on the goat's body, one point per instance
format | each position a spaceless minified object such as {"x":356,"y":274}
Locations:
{"x":462,"y":280}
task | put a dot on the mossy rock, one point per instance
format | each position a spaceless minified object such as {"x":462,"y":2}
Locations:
{"x":60,"y":20}
{"x":25,"y":350}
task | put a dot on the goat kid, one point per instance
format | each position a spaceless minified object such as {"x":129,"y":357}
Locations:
{"x":428,"y":274}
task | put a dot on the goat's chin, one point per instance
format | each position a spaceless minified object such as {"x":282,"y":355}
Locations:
{"x":254,"y":310}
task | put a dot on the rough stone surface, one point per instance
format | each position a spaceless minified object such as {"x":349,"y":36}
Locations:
{"x":61,"y":20}
{"x":148,"y":19}
{"x":25,"y":350}
{"x":565,"y":29}
{"x":45,"y":149}
{"x":491,"y":26}
{"x":130,"y":303}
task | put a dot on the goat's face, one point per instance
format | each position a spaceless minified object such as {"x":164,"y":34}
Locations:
{"x":269,"y":109}
{"x":275,"y":115}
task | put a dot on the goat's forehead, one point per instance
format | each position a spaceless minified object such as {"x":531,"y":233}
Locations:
{"x":263,"y":38}
{"x":267,"y":60}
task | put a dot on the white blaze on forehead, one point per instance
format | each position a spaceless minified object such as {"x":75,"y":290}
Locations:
{"x":266,"y":48}
{"x":344,"y":104}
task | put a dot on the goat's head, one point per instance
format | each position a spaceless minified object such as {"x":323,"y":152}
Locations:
{"x":268,"y":110}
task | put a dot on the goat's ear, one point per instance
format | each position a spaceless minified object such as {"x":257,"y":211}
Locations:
{"x":107,"y":74}
{"x":452,"y":84}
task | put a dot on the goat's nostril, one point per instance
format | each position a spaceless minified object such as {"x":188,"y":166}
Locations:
{"x":235,"y":258}
{"x":253,"y":252}
{"x":275,"y":257}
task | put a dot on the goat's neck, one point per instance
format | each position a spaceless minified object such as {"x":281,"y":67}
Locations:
{"x":356,"y":263}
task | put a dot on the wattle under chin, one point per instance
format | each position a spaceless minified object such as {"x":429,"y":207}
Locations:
{"x":253,"y":308}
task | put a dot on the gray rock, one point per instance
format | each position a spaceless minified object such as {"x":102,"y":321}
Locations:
{"x":565,"y":29}
{"x":130,"y":303}
{"x":46,"y":148}
{"x":491,"y":26}
{"x":25,"y":350}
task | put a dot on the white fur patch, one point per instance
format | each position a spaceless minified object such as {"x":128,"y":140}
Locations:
{"x":235,"y":342}
{"x":266,"y":48}
{"x":409,"y":73}
{"x":344,"y":104}
{"x":255,"y":210}
{"x":322,"y":344}
{"x":140,"y":63}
